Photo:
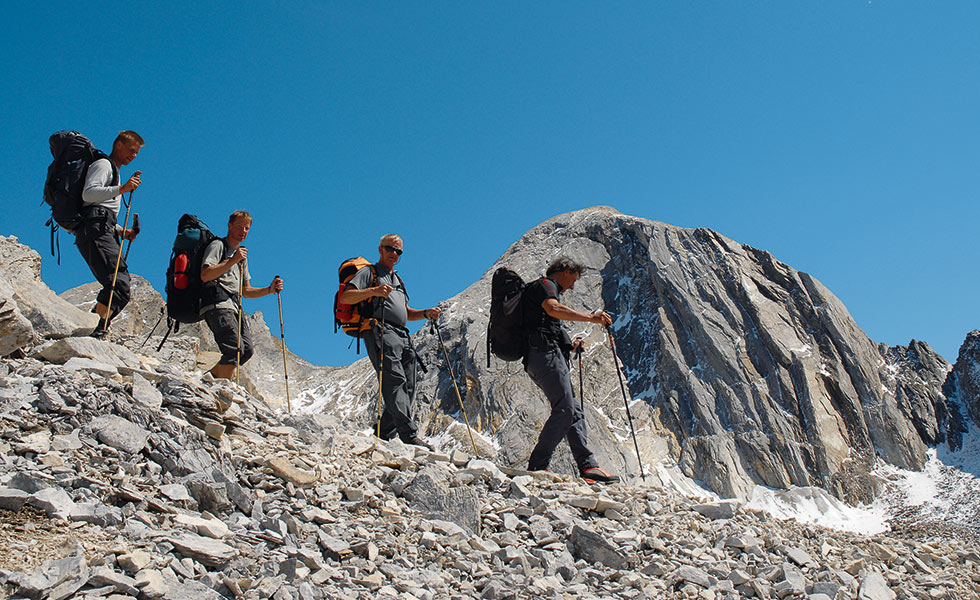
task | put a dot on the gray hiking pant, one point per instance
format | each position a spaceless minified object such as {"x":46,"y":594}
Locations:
{"x":397,"y":381}
{"x":223,"y":323}
{"x":548,"y":369}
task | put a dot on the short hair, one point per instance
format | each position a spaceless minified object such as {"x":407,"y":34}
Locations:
{"x":563,"y":263}
{"x":129,"y":137}
{"x":239,"y":213}
{"x":389,"y":238}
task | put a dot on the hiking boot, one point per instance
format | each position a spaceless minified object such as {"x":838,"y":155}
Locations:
{"x":100,"y":332}
{"x":417,"y":441}
{"x":597,"y":475}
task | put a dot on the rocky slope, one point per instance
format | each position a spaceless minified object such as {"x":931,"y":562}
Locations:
{"x":123,"y":476}
{"x":741,"y":370}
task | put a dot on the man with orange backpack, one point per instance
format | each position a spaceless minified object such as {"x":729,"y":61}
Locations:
{"x":386,"y":336}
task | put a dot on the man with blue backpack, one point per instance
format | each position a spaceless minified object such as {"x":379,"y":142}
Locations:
{"x":225,"y":277}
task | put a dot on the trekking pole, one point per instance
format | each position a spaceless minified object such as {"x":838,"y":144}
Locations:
{"x":171,"y":328}
{"x":241,"y":291}
{"x":622,"y":387}
{"x":435,"y":326}
{"x":108,"y":308}
{"x":163,"y":311}
{"x":282,"y":336}
{"x":381,"y":364}
{"x":581,"y":388}
{"x":136,"y":230}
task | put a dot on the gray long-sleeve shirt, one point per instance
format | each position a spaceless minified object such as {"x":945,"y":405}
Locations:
{"x":100,"y":189}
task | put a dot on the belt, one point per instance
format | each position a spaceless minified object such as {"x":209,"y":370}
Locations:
{"x":94,"y":212}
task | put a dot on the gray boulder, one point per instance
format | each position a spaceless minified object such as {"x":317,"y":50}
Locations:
{"x":589,"y":545}
{"x":16,"y":330}
{"x":61,"y":351}
{"x":431,"y":495}
{"x":51,"y":316}
{"x":119,"y":433}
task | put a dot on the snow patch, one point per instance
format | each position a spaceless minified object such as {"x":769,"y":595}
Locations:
{"x":817,"y":506}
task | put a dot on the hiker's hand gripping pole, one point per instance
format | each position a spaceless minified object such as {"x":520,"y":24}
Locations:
{"x":434,"y":326}
{"x":115,"y":273}
{"x":622,"y":387}
{"x":131,"y":235}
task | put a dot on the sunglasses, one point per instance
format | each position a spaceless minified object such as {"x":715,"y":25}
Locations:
{"x":397,"y":251}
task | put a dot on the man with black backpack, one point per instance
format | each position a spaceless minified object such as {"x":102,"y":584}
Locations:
{"x":546,"y":362}
{"x":224,"y":271}
{"x":382,"y":291}
{"x":98,"y":236}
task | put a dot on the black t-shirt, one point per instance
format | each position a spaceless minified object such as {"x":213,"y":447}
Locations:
{"x":536,"y":322}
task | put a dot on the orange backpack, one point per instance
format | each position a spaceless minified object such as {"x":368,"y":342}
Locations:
{"x":354,"y":319}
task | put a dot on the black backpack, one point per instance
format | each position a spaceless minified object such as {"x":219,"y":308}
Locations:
{"x":505,"y":334}
{"x":72,"y":153}
{"x":184,"y":287}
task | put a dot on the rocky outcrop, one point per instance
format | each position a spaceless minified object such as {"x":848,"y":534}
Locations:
{"x":741,"y":369}
{"x":16,"y":330}
{"x":962,"y":387}
{"x":50,"y":316}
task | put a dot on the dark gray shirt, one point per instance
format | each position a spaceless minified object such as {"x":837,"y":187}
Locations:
{"x":396,"y":304}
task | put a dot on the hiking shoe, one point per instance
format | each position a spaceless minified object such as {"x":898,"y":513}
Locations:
{"x":597,"y":475}
{"x":417,"y":441}
{"x":100,"y":332}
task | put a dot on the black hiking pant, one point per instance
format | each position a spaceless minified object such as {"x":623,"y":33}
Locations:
{"x":97,"y":242}
{"x":397,"y":379}
{"x":548,"y":370}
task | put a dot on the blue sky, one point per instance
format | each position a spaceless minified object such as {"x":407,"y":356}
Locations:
{"x":841,"y":136}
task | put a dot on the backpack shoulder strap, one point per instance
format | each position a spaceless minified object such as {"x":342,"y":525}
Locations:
{"x":401,"y":284}
{"x":115,"y":170}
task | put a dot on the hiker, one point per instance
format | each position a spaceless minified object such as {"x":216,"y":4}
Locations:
{"x":223,"y":268}
{"x":98,"y":237}
{"x":389,"y":336}
{"x":546,"y":362}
